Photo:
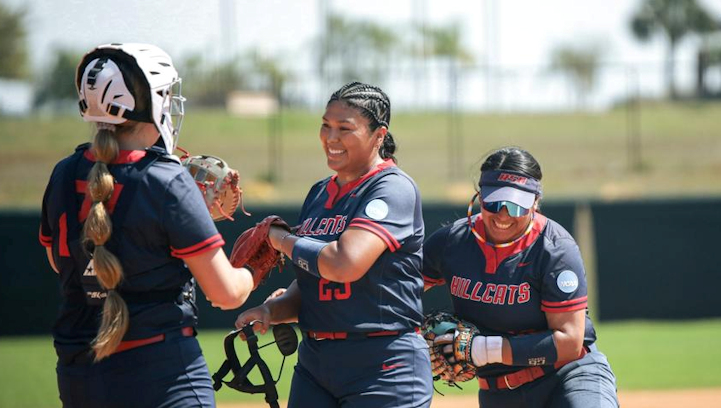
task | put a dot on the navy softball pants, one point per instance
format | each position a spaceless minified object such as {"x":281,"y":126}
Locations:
{"x":585,"y":383}
{"x":375,"y":372}
{"x":172,"y":373}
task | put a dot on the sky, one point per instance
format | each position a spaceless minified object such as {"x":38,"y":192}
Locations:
{"x":516,"y":36}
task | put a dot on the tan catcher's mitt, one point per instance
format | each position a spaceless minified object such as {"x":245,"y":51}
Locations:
{"x":218,"y":183}
{"x":253,"y":250}
{"x":457,"y":369}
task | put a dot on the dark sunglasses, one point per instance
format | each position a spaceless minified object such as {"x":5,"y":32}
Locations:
{"x":514,"y":210}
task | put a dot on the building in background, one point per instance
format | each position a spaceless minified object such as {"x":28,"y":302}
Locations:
{"x":16,"y":97}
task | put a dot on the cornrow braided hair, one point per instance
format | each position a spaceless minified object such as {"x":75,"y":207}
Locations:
{"x":373,"y":104}
{"x":368,"y":98}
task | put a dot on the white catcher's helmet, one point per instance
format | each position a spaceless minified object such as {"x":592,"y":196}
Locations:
{"x":106,"y":97}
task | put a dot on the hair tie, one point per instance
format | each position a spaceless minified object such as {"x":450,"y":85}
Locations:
{"x":106,"y":126}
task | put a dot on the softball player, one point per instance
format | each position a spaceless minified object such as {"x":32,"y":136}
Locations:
{"x":121,"y":218}
{"x":519,"y":277}
{"x":357,"y":255}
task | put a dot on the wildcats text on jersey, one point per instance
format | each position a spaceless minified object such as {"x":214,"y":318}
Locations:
{"x":322,"y":226}
{"x":497,"y":294}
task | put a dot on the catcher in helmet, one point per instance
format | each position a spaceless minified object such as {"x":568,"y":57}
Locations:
{"x":128,"y":233}
{"x":356,"y":254}
{"x":519,"y":294}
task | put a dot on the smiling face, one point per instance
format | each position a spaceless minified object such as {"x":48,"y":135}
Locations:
{"x":351,"y":148}
{"x":502,"y":228}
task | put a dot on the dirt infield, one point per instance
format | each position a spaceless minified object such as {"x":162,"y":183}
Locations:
{"x":629,"y":399}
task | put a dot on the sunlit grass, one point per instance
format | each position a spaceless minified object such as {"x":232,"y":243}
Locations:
{"x":644,"y":355}
{"x":583,"y":155}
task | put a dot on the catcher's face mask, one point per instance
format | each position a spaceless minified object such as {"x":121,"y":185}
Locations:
{"x":286,"y":340}
{"x":172,"y":112}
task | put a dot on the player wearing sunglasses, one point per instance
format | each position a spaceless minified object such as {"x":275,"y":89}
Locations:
{"x":519,"y":278}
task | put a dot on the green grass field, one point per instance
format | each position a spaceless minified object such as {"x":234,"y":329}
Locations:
{"x":644,"y":355}
{"x":583,"y":155}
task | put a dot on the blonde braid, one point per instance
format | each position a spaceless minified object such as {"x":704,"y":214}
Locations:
{"x":98,"y":228}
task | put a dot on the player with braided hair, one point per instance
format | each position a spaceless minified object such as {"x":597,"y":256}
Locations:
{"x":121,"y":219}
{"x":518,"y":285}
{"x":357,"y":258}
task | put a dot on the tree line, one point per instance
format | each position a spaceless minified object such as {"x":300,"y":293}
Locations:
{"x":351,"y":49}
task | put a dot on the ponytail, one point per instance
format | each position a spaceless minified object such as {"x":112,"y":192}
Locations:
{"x":97,"y":229}
{"x":388,"y":148}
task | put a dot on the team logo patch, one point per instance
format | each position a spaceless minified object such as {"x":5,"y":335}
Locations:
{"x":377,"y":209}
{"x":567,"y":281}
{"x":89,"y":270}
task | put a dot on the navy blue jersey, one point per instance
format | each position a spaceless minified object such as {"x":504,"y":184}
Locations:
{"x":385,"y":202}
{"x":506,"y":290}
{"x":159,"y":217}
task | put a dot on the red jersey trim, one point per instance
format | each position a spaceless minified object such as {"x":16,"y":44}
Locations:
{"x":571,"y":308}
{"x":124,"y":156}
{"x":335,"y":192}
{"x":433,"y":282}
{"x":63,"y":223}
{"x":213,"y":242}
{"x":565,"y":302}
{"x":377,"y":229}
{"x":496,"y":255}
{"x":45,"y":240}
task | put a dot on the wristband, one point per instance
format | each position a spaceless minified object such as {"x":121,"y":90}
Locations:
{"x":494,"y":348}
{"x":487,"y":350}
{"x":305,"y":254}
{"x":534,"y":349}
{"x":478,"y":351}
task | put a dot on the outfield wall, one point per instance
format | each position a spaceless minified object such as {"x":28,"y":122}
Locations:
{"x":651,"y":259}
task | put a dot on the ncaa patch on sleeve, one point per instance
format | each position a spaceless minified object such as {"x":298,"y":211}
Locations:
{"x":567,"y":281}
{"x":377,"y":209}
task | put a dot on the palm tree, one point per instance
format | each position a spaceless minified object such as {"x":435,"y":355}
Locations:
{"x":579,"y":65}
{"x":445,"y":43}
{"x":57,"y":85}
{"x":13,"y":46}
{"x":675,"y":19}
{"x":271,"y":67}
{"x":356,"y":49}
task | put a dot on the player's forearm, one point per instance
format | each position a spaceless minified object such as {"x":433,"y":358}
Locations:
{"x":328,"y":261}
{"x":335,"y":266}
{"x":224,"y":286}
{"x":344,"y":260}
{"x":233,"y":292}
{"x":568,"y":333}
{"x":351,"y":256}
{"x":285,"y":308}
{"x":241,"y":284}
{"x":542,"y":348}
{"x":568,"y":344}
